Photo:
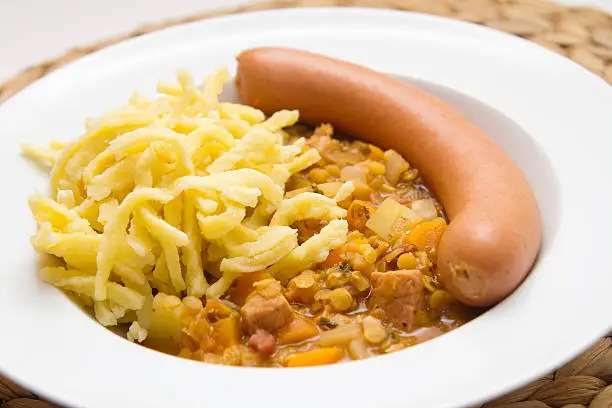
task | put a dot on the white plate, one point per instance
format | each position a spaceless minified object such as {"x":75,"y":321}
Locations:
{"x":556,"y":123}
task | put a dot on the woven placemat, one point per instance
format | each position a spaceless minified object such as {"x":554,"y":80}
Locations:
{"x":582,"y":34}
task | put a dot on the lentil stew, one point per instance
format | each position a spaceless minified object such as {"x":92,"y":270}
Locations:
{"x":378,"y":293}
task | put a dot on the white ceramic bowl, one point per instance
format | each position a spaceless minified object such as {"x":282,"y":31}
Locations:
{"x":552,"y":116}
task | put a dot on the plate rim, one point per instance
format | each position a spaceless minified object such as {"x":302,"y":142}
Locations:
{"x":254,"y":15}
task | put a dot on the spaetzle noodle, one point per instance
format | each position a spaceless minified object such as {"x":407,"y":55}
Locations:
{"x":180,"y":195}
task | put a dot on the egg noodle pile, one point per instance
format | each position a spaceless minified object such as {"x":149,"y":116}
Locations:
{"x":158,"y":191}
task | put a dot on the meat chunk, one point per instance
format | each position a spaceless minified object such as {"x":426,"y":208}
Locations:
{"x":263,"y":342}
{"x":266,"y":307}
{"x":397,"y":296}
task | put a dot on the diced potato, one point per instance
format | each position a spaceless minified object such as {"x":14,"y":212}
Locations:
{"x":166,"y":323}
{"x":322,"y":356}
{"x":385,"y":217}
{"x":395,"y":166}
{"x":426,"y":235}
{"x":339,"y":336}
{"x":426,"y":208}
{"x":298,"y":330}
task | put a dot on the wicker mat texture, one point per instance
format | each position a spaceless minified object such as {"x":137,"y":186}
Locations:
{"x":582,"y":34}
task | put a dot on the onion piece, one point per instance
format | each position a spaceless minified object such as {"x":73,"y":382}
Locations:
{"x":339,"y":336}
{"x":425,"y":208}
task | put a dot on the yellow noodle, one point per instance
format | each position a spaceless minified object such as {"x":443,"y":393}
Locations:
{"x":158,"y":191}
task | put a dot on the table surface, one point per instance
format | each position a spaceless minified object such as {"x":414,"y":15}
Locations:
{"x":34,"y":30}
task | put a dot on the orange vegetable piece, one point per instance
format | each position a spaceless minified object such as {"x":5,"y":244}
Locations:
{"x":227,"y":331}
{"x":376,"y":153}
{"x":334,"y":258}
{"x":358,"y":214}
{"x":198,"y":334}
{"x":218,"y":308}
{"x":320,"y":356}
{"x":426,"y":235}
{"x":298,"y":330}
{"x":244,"y":286}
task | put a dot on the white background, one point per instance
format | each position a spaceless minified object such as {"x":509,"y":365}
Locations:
{"x":34,"y":30}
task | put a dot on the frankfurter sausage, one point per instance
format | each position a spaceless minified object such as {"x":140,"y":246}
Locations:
{"x":494,"y":232}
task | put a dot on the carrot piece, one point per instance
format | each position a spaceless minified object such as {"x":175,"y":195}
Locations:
{"x":335,"y":257}
{"x":426,"y":235}
{"x":218,"y":308}
{"x":320,"y":356}
{"x":299,"y":329}
{"x":244,"y":286}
